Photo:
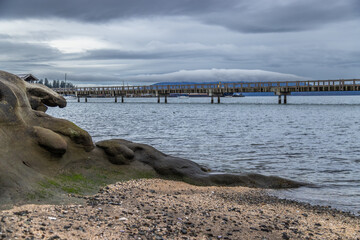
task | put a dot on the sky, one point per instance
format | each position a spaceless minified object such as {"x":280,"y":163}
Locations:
{"x":111,"y":42}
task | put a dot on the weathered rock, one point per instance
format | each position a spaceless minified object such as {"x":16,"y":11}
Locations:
{"x":66,"y":128}
{"x":116,"y":152}
{"x":189,"y":171}
{"x":40,"y":95}
{"x":31,"y":139}
{"x":50,"y":140}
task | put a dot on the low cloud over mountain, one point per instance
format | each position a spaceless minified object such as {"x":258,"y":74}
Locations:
{"x":216,"y":75}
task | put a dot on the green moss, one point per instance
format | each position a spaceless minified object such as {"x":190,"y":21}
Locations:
{"x":71,"y":190}
{"x":49,"y":183}
{"x":39,"y":194}
{"x":73,"y":133}
{"x":72,"y":178}
{"x":86,"y":181}
{"x":68,"y":183}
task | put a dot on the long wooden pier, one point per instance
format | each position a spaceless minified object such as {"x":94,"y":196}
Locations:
{"x":213,"y":90}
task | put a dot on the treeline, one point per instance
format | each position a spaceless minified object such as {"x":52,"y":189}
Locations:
{"x":56,"y":83}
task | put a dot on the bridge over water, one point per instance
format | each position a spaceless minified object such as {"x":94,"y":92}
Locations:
{"x":281,"y":89}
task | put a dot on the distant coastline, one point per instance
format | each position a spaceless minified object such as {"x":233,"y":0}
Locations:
{"x":334,"y":93}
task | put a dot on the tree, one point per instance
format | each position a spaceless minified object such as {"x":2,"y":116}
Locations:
{"x":41,"y":81}
{"x":56,"y":84}
{"x":70,"y":85}
{"x":47,"y":83}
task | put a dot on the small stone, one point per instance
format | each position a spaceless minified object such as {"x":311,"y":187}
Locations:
{"x":22,"y":213}
{"x":54,"y":237}
{"x":285,"y":236}
{"x":67,"y":227}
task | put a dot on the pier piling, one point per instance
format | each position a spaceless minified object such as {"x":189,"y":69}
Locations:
{"x":218,"y":99}
{"x":212,"y":99}
{"x":116,"y":99}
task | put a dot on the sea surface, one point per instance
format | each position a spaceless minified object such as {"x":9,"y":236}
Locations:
{"x":313,"y":139}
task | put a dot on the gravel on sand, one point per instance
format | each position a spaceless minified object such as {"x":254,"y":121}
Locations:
{"x":162,"y":209}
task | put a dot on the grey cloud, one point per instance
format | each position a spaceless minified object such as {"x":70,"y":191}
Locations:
{"x":240,"y":15}
{"x":113,"y":54}
{"x":4,"y":36}
{"x":89,"y":10}
{"x":80,"y":79}
{"x":285,"y":16}
{"x":108,"y":54}
{"x":18,"y":52}
{"x":22,"y":57}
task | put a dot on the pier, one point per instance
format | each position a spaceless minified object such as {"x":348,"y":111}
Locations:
{"x":215,"y":90}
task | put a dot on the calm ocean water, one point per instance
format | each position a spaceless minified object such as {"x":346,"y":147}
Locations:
{"x":311,"y":139}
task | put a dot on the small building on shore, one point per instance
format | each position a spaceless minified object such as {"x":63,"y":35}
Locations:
{"x":28,"y":78}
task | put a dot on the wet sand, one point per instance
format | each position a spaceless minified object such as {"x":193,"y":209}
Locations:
{"x":161,"y":209}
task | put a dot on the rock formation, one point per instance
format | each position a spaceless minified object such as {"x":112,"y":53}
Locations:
{"x":36,"y":146}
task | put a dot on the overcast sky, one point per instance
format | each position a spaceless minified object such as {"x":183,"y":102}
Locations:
{"x":147,"y":41}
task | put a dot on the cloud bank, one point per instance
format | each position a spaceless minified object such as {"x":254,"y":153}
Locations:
{"x":239,"y":15}
{"x":111,"y":41}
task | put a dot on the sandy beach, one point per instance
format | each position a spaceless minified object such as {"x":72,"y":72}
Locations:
{"x":162,"y":209}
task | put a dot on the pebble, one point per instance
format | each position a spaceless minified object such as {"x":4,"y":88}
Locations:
{"x":285,"y":236}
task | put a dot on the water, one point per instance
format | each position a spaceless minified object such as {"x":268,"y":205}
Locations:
{"x":311,"y":139}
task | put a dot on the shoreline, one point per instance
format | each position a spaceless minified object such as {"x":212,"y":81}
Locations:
{"x":166,"y":209}
{"x":310,"y":204}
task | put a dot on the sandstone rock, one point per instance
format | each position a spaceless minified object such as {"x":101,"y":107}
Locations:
{"x":66,"y":128}
{"x":116,"y":152}
{"x":39,"y":95}
{"x":28,"y":135}
{"x":191,"y":172}
{"x":50,"y":140}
